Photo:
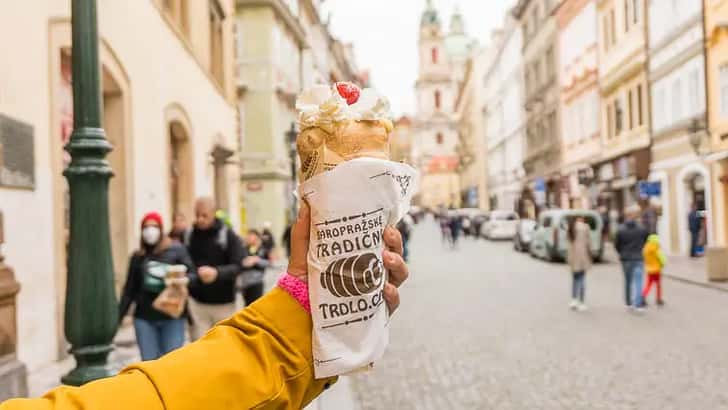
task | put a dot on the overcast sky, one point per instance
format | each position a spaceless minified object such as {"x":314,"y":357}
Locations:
{"x":385,"y":33}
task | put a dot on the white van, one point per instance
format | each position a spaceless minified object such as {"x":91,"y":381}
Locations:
{"x":550,"y":240}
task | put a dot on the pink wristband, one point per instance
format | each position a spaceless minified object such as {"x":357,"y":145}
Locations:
{"x":297,"y":288}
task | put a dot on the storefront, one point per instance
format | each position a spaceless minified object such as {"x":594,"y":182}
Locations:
{"x":616,"y":181}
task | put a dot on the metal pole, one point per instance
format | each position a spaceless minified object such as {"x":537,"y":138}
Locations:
{"x":91,"y":309}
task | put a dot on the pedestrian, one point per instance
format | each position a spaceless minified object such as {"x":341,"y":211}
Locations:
{"x":269,"y":242}
{"x":253,"y":265}
{"x":445,"y":233}
{"x":630,"y":241}
{"x":179,"y":226}
{"x":404,"y":226}
{"x":649,"y":216}
{"x":694,"y":225}
{"x":579,"y":260}
{"x":258,"y":359}
{"x":286,"y":239}
{"x":455,"y":228}
{"x":654,"y":264}
{"x":217,"y":252}
{"x":157,"y":332}
{"x":467,"y":224}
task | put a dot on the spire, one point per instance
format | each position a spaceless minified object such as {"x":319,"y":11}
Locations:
{"x":457,"y":23}
{"x":429,"y":16}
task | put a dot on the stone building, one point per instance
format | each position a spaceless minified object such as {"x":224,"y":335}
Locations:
{"x":169,"y":112}
{"x":543,"y":156}
{"x":625,"y":119}
{"x":283,"y":47}
{"x":442,"y":64}
{"x":504,"y":116}
{"x":677,"y":91}
{"x":579,"y":86}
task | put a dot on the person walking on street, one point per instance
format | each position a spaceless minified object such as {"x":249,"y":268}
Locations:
{"x":455,"y":228}
{"x":286,"y":239}
{"x":268,"y":241}
{"x":654,"y":264}
{"x":404,"y":226}
{"x":630,"y":241}
{"x":445,"y":233}
{"x":694,"y":226}
{"x":217,"y":253}
{"x":157,"y":333}
{"x":579,"y":260}
{"x":254,"y":265}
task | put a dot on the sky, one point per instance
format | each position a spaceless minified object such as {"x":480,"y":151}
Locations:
{"x":385,"y":32}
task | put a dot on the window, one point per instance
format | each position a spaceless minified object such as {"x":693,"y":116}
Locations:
{"x":636,"y":11}
{"x":693,"y":89}
{"x":437,"y":99}
{"x":640,"y":114}
{"x":723,"y":90}
{"x":605,"y":26}
{"x":626,"y":16}
{"x":439,"y":138}
{"x":630,"y":122}
{"x":434,"y":55}
{"x":612,"y":30}
{"x":617,"y":116}
{"x":177,"y":11}
{"x":216,"y":42}
{"x":677,"y":100}
{"x":610,"y":122}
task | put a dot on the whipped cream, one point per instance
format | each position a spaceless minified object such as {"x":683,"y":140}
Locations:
{"x":322,"y":106}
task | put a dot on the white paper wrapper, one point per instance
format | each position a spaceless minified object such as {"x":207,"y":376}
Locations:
{"x":350,"y":207}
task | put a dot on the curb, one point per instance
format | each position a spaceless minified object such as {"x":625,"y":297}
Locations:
{"x":695,"y":282}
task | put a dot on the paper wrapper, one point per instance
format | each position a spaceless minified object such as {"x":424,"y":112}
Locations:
{"x":350,"y":207}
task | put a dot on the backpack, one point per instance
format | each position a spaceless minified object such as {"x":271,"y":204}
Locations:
{"x":222,"y":237}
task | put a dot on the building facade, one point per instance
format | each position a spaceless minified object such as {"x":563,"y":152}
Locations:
{"x":442,"y":64}
{"x":625,"y":119}
{"x":677,"y":91}
{"x":579,"y":85}
{"x":282,"y":48}
{"x":504,"y":116}
{"x":168,"y":112}
{"x":471,"y":150}
{"x":543,"y":155}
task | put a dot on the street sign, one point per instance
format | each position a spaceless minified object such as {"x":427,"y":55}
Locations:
{"x":648,"y":189}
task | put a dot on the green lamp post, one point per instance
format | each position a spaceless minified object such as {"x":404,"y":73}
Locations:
{"x":91,"y":308}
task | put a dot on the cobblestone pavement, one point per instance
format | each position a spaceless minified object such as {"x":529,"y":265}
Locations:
{"x":484,"y":327}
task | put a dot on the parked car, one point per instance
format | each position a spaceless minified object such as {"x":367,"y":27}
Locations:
{"x":500,"y":225}
{"x":550,"y":239}
{"x":524,"y":234}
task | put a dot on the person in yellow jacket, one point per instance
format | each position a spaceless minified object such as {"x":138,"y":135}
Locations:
{"x":654,"y":263}
{"x":260,"y":358}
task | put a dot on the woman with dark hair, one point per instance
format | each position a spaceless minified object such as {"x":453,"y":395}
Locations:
{"x":579,"y":260}
{"x":156,"y":331}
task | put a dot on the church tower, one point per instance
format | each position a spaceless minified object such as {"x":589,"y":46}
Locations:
{"x":441,"y":57}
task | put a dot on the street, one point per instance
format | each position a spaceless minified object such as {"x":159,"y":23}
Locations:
{"x":485,"y":327}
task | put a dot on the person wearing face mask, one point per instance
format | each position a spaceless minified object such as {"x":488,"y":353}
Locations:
{"x":157,"y":333}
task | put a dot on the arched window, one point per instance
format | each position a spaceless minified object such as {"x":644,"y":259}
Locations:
{"x":434,"y":55}
{"x":439,"y":138}
{"x":437,"y":99}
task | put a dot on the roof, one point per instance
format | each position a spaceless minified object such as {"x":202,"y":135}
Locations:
{"x":430,"y":16}
{"x":442,"y":163}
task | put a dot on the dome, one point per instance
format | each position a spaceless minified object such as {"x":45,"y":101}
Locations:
{"x":429,"y":16}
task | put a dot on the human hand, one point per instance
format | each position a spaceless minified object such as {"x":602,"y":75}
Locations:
{"x":208,"y":274}
{"x":392,"y":256}
{"x":250,"y":261}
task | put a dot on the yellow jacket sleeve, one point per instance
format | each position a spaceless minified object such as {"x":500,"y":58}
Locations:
{"x":258,"y":359}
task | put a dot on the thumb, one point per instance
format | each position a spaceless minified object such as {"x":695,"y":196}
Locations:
{"x":298,"y":265}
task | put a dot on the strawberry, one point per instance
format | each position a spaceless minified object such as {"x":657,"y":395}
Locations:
{"x":349,"y":91}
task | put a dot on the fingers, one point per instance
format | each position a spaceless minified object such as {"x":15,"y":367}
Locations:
{"x":391,"y":297}
{"x":297,"y":264}
{"x":393,"y":239}
{"x":398,"y":270}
